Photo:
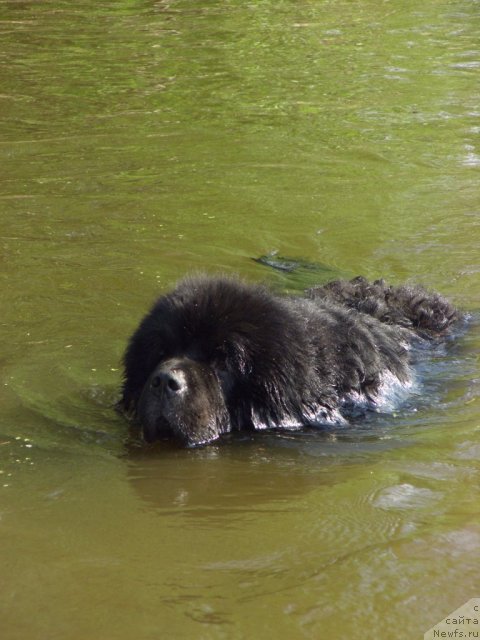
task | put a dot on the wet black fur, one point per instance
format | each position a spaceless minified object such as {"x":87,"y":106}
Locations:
{"x":217,"y":354}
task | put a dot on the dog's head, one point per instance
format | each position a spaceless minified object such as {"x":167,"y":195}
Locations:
{"x":213,"y":355}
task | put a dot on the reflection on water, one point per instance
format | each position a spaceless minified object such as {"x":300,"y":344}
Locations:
{"x":144,"y":140}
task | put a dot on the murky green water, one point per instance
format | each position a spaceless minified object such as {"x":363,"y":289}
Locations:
{"x":143,"y":140}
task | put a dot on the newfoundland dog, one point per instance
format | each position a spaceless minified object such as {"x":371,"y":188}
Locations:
{"x":218,"y":355}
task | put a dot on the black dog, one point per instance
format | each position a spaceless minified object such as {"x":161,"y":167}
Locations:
{"x":217,"y":354}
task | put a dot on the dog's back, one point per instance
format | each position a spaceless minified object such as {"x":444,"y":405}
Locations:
{"x":412,"y":307}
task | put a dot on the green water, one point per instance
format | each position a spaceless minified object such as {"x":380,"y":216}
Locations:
{"x":144,"y":140}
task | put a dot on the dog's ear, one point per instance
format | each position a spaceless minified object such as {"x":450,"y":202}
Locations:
{"x":236,"y":358}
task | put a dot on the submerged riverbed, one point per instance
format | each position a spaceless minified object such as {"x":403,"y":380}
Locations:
{"x":145,"y":140}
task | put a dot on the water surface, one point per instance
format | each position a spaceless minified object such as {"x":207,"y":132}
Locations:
{"x":144,"y":140}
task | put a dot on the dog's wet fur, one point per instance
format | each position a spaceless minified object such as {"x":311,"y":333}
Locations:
{"x":218,"y":355}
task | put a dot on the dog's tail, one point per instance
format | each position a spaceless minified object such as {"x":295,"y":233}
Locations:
{"x":408,"y":306}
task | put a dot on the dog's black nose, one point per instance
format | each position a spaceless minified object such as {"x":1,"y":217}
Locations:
{"x":171,"y":382}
